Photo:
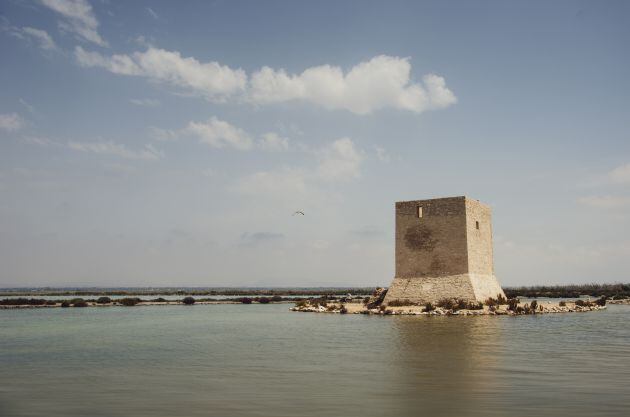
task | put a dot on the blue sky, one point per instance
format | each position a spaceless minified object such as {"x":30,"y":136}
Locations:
{"x":168,"y":143}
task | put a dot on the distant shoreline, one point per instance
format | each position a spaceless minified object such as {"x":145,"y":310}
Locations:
{"x":140,"y":304}
{"x":612,"y":291}
{"x":104,"y":301}
{"x":184,"y":291}
{"x":356,"y":304}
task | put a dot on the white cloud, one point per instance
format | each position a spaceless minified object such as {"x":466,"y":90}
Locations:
{"x":163,"y":134}
{"x":382,"y":154}
{"x":438,"y":94}
{"x":211,"y":79}
{"x":40,"y":141}
{"x":221,"y":134}
{"x":144,"y":41}
{"x":286,"y":182}
{"x":607,"y":202}
{"x":145,"y":102}
{"x":273,"y":142}
{"x":117,"y":149}
{"x":118,"y":64}
{"x":26,"y":104}
{"x":152,"y":13}
{"x":41,"y":37}
{"x":340,"y":161}
{"x":11,"y":122}
{"x":621,"y":174}
{"x":149,"y":152}
{"x":381,"y":82}
{"x":218,"y":134}
{"x":78,"y":18}
{"x":30,"y":34}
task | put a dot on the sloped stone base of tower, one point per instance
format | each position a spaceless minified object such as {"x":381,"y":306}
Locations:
{"x":469,"y":287}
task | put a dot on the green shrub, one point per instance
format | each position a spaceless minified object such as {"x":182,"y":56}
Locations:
{"x":129,"y":302}
{"x":533,"y":306}
{"x":428,"y":307}
{"x":316,"y":302}
{"x":159,"y":300}
{"x":246,"y":300}
{"x":343,"y":309}
{"x":513,"y":304}
{"x":601,"y":301}
{"x":264,"y":300}
{"x":582,"y":303}
{"x":276,"y":299}
{"x":460,"y":304}
{"x":571,"y":291}
{"x":400,"y":303}
{"x":491,"y":302}
{"x":23,"y":301}
{"x":188,"y":301}
{"x":103,"y":300}
{"x":79,"y":303}
{"x":446,"y":303}
{"x":301,"y":303}
{"x":500,"y":300}
{"x":65,"y":304}
{"x":562,"y":303}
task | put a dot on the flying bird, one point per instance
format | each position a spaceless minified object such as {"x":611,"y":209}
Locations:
{"x":299,"y":212}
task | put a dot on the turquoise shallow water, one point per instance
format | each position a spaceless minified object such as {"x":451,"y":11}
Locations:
{"x":262,"y":360}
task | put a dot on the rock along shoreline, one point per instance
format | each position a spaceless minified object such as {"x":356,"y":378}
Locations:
{"x":334,"y":308}
{"x":500,"y":306}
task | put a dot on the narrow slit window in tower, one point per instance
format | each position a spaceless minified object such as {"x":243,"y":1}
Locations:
{"x":419,"y":212}
{"x":477,"y":225}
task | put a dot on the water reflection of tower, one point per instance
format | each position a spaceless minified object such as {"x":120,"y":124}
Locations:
{"x":445,"y":366}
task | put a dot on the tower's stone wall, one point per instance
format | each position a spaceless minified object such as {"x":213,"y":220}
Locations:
{"x":432,"y":245}
{"x":443,"y":250}
{"x":479,"y":240}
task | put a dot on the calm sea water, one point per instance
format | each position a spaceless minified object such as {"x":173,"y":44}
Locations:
{"x":262,"y":360}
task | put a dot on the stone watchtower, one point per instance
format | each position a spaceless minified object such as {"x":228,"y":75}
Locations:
{"x":443,"y":250}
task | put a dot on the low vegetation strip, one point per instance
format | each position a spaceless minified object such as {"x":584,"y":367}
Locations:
{"x":612,"y":291}
{"x":557,"y":291}
{"x":133,"y":301}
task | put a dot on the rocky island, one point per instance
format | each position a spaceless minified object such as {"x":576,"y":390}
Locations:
{"x":500,"y":306}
